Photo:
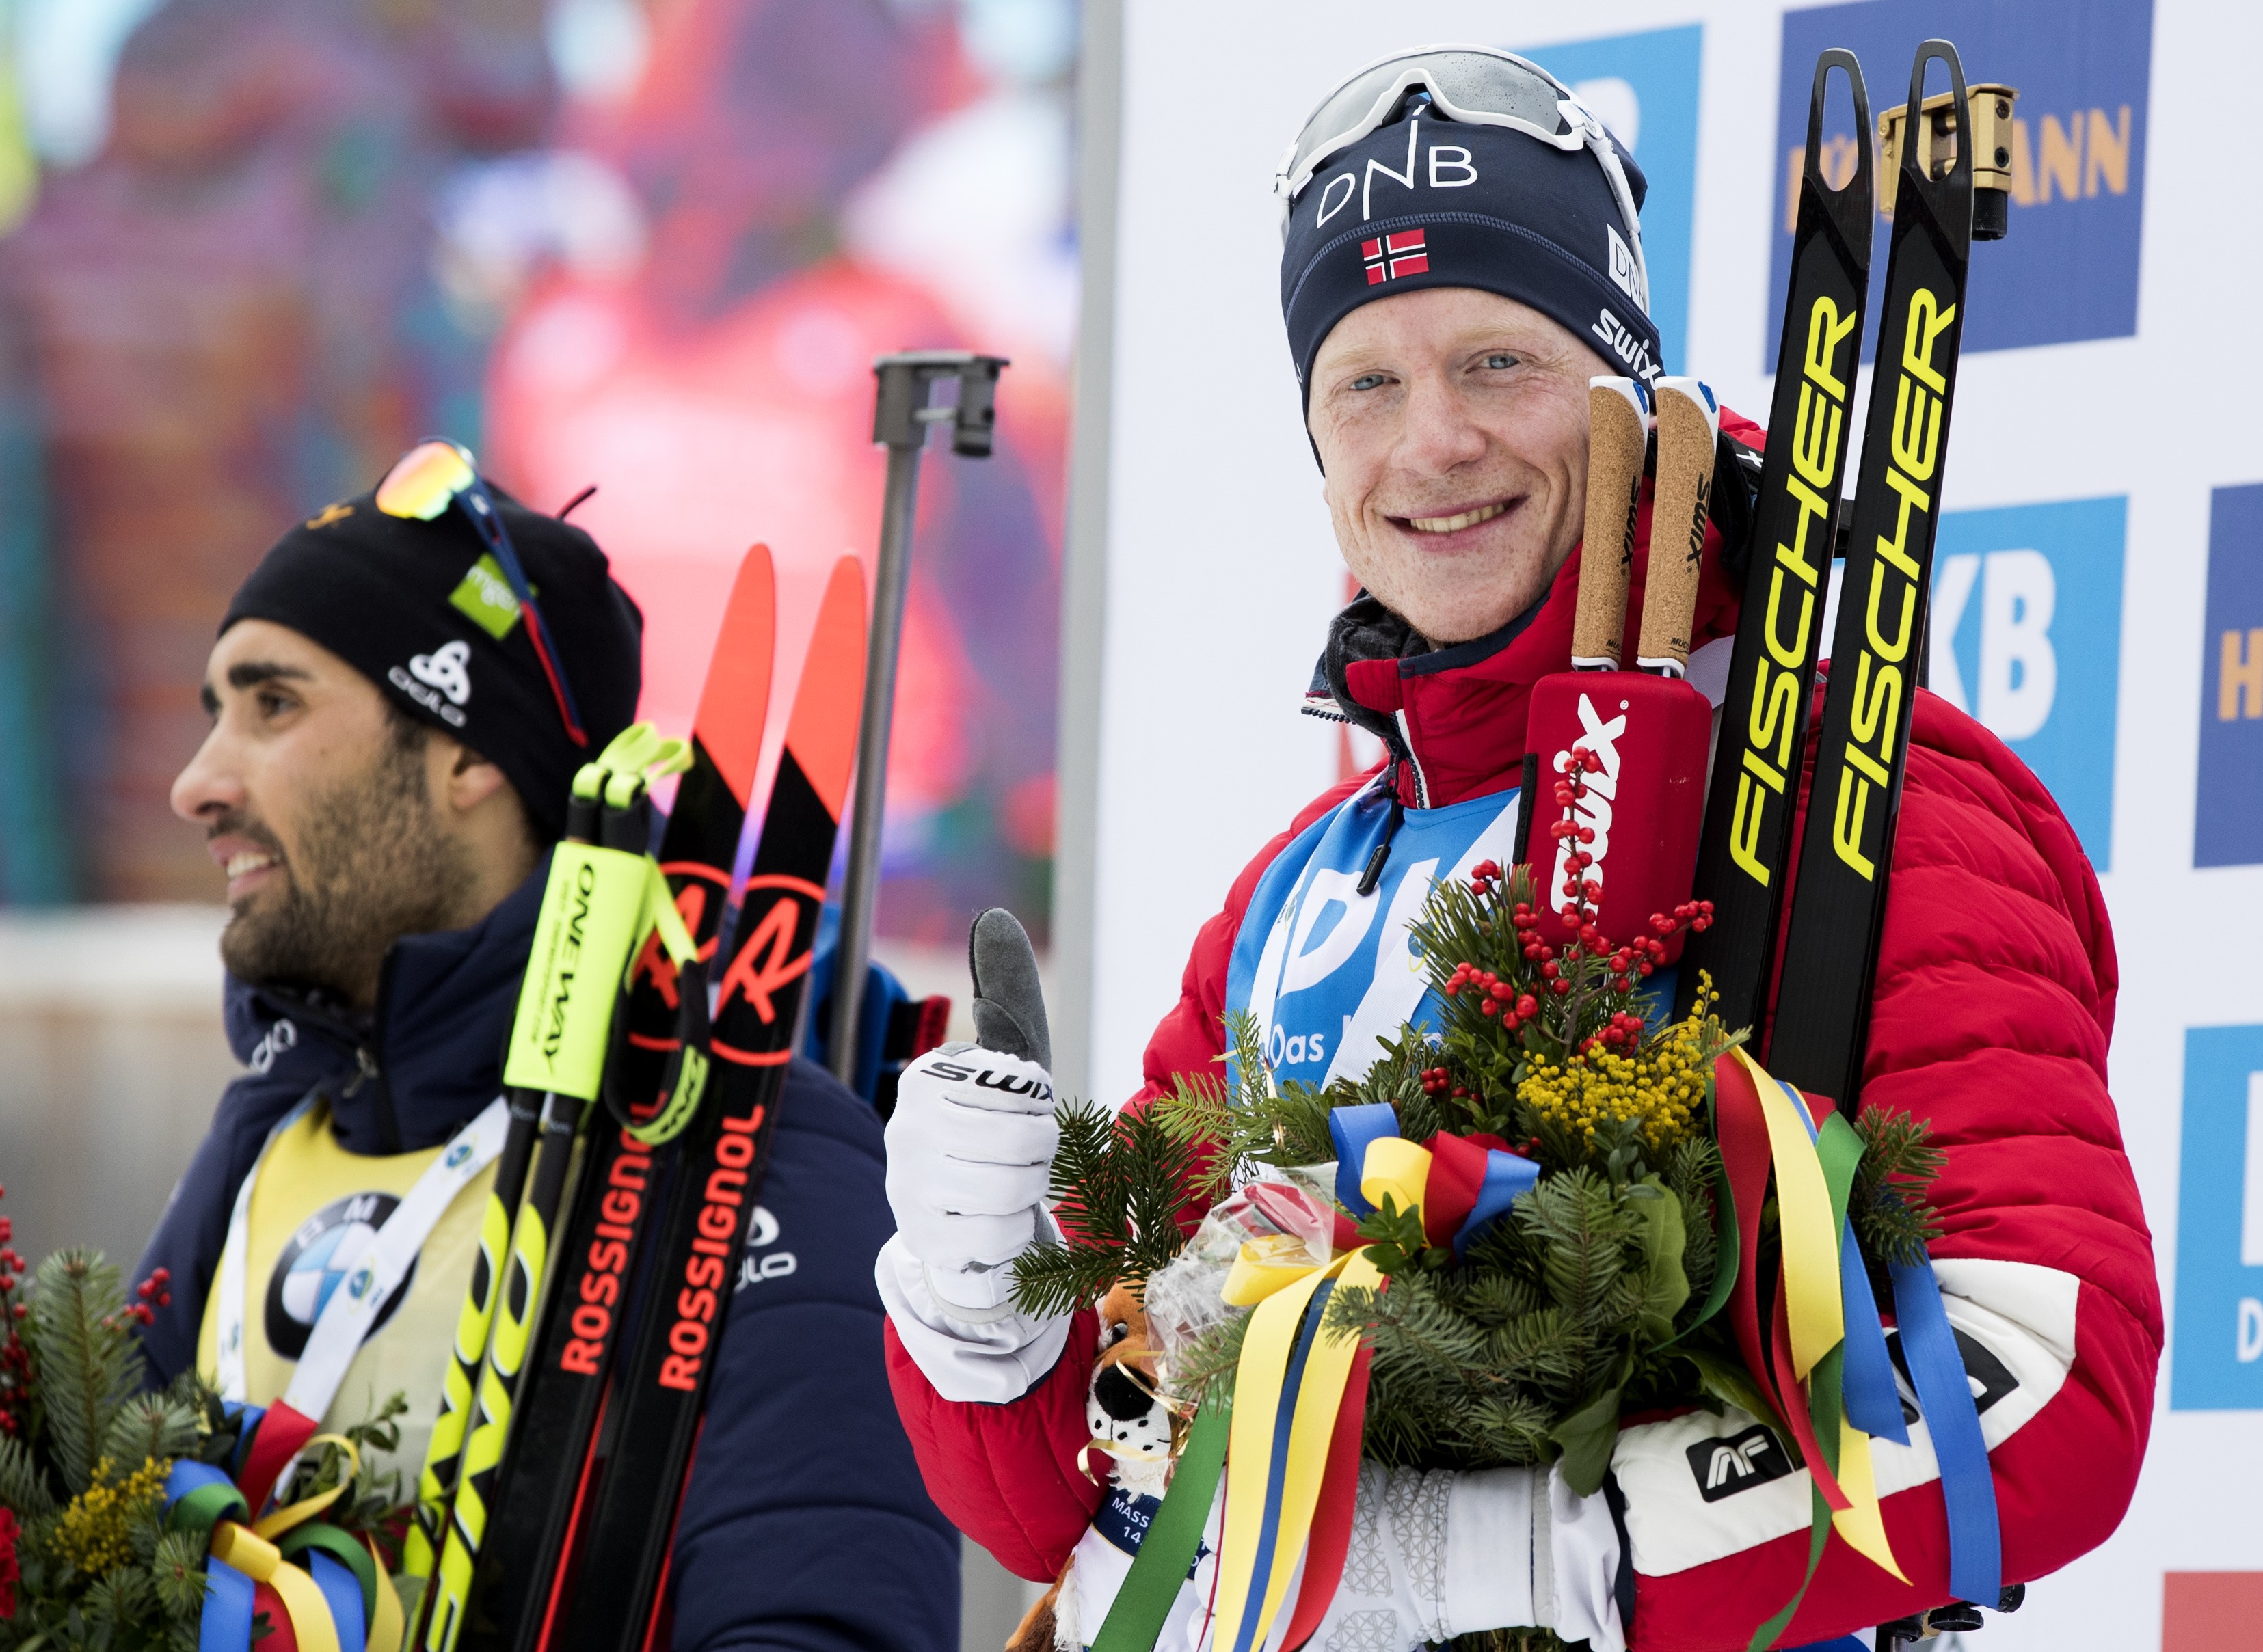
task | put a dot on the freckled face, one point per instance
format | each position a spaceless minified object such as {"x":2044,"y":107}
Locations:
{"x":1452,"y":424}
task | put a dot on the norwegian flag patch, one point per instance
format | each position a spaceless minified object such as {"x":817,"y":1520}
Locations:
{"x":1389,"y":256}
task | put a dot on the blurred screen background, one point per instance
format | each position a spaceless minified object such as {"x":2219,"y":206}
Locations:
{"x":255,"y":249}
{"x":251,"y":251}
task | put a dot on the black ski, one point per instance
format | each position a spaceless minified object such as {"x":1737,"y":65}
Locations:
{"x":1823,"y":1011}
{"x":1744,"y":852}
{"x":555,"y":1420}
{"x":613,"y":1573}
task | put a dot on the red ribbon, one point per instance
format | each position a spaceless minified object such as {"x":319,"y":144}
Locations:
{"x":282,"y":1432}
{"x":1330,"y":1540}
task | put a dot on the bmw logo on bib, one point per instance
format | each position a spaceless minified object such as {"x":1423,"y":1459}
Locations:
{"x":330,"y":1249}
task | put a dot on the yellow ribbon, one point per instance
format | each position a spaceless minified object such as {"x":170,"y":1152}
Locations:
{"x":284,"y":1518}
{"x":1396,"y":1167}
{"x":1863,"y":1524}
{"x":386,"y":1626}
{"x":1810,"y":1241}
{"x":259,"y":1560}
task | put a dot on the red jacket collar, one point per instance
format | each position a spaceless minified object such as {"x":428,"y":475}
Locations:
{"x":1460,"y":710}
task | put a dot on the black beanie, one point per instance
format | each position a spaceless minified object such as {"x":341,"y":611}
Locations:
{"x":420,"y":609}
{"x":1429,"y":202}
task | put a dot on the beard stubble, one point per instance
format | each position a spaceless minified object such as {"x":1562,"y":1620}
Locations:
{"x":372,"y":866}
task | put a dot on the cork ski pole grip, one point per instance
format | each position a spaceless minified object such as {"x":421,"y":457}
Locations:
{"x":1688,"y":423}
{"x":1618,"y":432}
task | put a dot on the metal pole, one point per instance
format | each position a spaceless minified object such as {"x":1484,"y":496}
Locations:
{"x":891,"y":582}
{"x":900,"y":418}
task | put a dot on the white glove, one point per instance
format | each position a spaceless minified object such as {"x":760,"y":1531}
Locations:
{"x":970,"y":1150}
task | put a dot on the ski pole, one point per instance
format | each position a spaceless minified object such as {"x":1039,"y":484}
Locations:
{"x":899,"y":420}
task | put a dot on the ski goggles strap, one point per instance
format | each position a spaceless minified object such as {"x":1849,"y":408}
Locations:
{"x":427,"y":480}
{"x":1476,"y":85}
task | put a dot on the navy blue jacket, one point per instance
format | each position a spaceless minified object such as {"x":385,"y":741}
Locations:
{"x":804,"y":1525}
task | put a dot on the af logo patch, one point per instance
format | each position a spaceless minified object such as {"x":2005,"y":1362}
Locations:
{"x":1724,"y":1467}
{"x":329,"y":1249}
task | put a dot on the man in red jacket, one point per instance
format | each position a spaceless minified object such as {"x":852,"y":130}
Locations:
{"x":1461,"y":255}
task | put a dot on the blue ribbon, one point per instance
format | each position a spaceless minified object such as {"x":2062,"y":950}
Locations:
{"x":230,"y":1596}
{"x":251,"y":1416}
{"x":1873,"y":1403}
{"x":1507,"y":1180}
{"x":1276,"y":1470}
{"x":187,"y":1474}
{"x":1944,"y":1395}
{"x":343,"y":1590}
{"x":1351,"y":1129}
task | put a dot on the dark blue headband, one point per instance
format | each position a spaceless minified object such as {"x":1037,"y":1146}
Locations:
{"x":1427,"y":202}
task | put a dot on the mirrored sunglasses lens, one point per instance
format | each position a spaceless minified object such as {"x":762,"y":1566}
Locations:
{"x":428,"y":476}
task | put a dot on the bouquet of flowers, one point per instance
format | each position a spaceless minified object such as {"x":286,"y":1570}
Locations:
{"x":113,"y":1503}
{"x":1555,"y":1255}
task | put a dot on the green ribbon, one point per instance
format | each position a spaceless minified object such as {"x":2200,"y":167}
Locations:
{"x":205,"y":1507}
{"x":334,"y":1543}
{"x":1168,"y":1552}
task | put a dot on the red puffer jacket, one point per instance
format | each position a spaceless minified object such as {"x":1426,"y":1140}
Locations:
{"x":1994,"y":1006}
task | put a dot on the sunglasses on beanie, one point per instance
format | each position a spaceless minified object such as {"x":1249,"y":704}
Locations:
{"x":425,"y":482}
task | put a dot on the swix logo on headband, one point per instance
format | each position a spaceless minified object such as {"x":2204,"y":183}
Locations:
{"x":1389,"y":256}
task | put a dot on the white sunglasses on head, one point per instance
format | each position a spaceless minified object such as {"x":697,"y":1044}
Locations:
{"x":1476,"y":85}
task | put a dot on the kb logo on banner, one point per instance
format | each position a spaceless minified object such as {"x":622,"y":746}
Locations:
{"x":2026,"y":639}
{"x":2068,"y":268}
{"x":2018,"y":593}
{"x":2218,"y":1357}
{"x":2228,"y":816}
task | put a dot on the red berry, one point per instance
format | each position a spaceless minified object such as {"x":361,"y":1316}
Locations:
{"x":1488,"y":1008}
{"x":1528,"y":1006}
{"x":1501,"y":992}
{"x":1586,"y":834}
{"x":1559,"y":987}
{"x":1550,"y":969}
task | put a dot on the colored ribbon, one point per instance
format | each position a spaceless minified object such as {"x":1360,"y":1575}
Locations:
{"x":1944,"y":1395}
{"x":1458,"y":1183}
{"x":331,"y":1587}
{"x":1820,"y":1366}
{"x":1300,"y":1393}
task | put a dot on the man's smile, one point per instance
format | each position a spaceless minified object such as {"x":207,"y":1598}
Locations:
{"x":1451,"y":527}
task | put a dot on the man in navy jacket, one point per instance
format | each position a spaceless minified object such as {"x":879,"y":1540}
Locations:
{"x":387,"y":766}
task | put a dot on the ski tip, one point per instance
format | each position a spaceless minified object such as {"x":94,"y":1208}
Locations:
{"x":822,"y":735}
{"x":734,"y":702}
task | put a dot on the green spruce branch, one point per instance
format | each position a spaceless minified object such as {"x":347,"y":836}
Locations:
{"x":1894,"y":1221}
{"x":88,"y":1364}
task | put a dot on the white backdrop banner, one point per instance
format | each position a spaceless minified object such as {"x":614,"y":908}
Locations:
{"x":2098,"y":599}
